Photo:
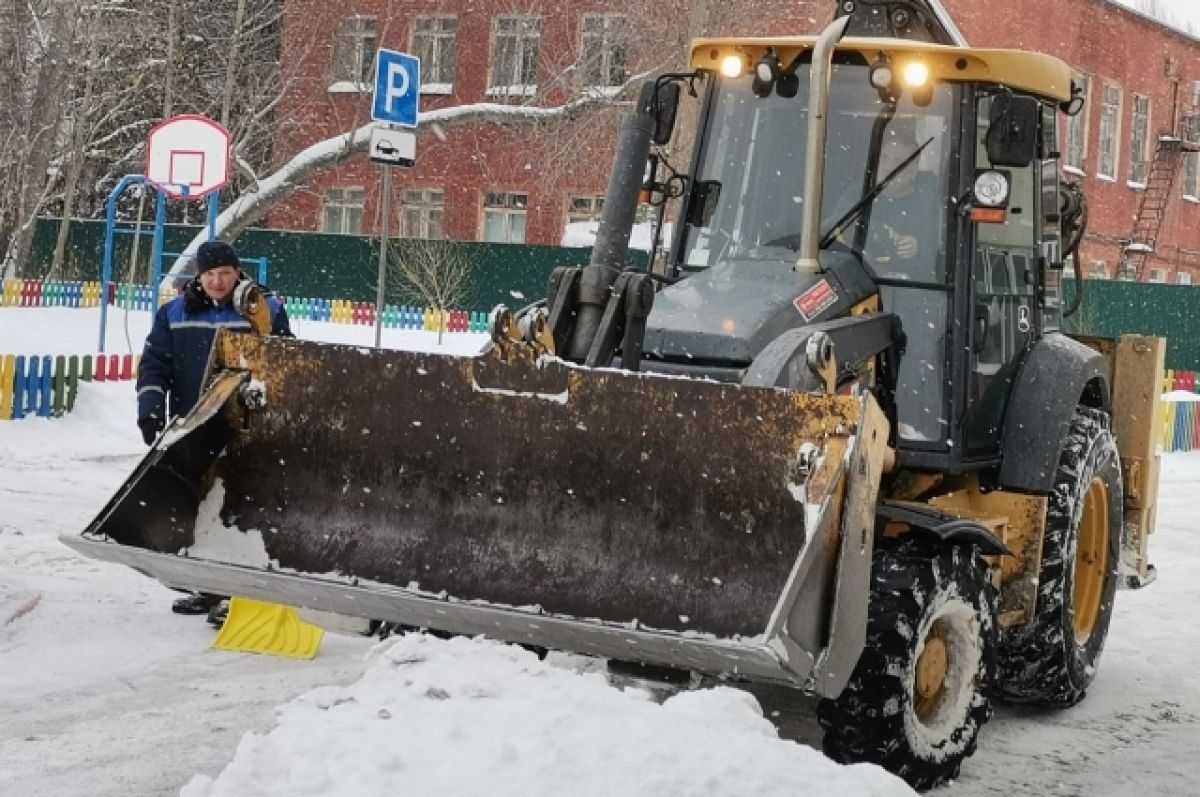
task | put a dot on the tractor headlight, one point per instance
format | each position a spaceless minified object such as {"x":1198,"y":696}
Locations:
{"x":991,"y":189}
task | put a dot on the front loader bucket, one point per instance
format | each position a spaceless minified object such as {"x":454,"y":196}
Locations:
{"x":629,"y":515}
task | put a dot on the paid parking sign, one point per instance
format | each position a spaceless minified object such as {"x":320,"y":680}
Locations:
{"x":397,"y":88}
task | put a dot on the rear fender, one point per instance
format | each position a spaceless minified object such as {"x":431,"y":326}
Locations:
{"x":1058,"y":375}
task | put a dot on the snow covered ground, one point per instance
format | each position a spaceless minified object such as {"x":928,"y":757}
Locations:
{"x":104,"y":692}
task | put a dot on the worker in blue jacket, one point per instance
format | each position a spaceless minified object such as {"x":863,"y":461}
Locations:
{"x":175,"y":357}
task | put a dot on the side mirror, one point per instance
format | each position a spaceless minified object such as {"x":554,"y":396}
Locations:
{"x":1012,"y":130}
{"x":665,"y":104}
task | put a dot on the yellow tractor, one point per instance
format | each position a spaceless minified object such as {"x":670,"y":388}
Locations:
{"x":834,"y":439}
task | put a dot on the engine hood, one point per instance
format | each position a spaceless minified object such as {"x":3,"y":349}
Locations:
{"x":731,"y":311}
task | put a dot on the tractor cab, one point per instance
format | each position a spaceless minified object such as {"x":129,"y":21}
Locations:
{"x":938,"y":190}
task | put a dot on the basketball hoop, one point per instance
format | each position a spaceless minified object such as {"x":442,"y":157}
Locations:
{"x":187,"y":157}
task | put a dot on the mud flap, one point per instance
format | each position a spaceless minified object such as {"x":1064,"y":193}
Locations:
{"x":629,"y":515}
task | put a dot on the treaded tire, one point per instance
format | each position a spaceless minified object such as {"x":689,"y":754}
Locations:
{"x":1043,"y":662}
{"x":880,"y":717}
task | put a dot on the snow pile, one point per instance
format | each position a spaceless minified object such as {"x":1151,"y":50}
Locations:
{"x":474,"y":717}
{"x":1181,"y":395}
{"x":66,"y":330}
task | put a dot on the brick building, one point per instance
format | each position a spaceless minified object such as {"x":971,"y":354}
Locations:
{"x":523,"y":183}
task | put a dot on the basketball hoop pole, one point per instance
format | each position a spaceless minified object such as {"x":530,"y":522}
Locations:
{"x":110,"y":234}
{"x":214,"y":207}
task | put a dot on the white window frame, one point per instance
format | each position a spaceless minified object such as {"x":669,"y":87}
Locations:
{"x":1139,"y":141}
{"x":1191,"y":163}
{"x":434,"y":41}
{"x":1183,"y":278}
{"x":604,"y":49}
{"x":507,"y":207}
{"x":584,"y":208}
{"x":348,"y":202}
{"x":518,"y":77}
{"x":1099,"y":269}
{"x":1109,"y":155}
{"x":422,"y":213}
{"x":1158,"y":276}
{"x":354,"y":46}
{"x":1077,"y":131}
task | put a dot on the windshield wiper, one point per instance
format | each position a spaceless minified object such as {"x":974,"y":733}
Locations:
{"x":851,"y":215}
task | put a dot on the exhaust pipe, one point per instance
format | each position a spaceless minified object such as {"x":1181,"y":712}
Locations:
{"x":814,"y":156}
{"x":616,"y":223}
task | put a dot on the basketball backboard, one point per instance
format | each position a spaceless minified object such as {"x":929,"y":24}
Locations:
{"x":188,"y":156}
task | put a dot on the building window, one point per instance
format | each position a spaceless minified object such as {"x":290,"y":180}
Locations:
{"x":1183,"y":278}
{"x":433,"y":43}
{"x":421,"y":214}
{"x":504,"y":217}
{"x":354,"y":51}
{"x":515,"y":42}
{"x":342,"y":210}
{"x":1191,"y":133}
{"x":1158,"y":275}
{"x":1139,"y":141}
{"x":1100,"y":269}
{"x":1110,"y":131}
{"x":604,"y":50}
{"x":1077,"y":130}
{"x":585,"y":208}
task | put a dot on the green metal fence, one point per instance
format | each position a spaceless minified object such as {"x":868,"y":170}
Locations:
{"x":318,"y":265}
{"x":323,"y":266}
{"x":1113,"y":308}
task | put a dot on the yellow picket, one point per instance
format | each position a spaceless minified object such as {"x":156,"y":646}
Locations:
{"x":8,"y":375}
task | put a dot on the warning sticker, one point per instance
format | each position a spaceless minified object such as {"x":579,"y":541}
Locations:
{"x":815,"y":300}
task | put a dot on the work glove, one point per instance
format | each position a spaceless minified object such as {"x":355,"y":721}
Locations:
{"x":151,"y":427}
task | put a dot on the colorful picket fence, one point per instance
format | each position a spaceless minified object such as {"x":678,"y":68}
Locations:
{"x":341,"y":311}
{"x":39,"y":293}
{"x":1181,"y":414}
{"x":50,"y":293}
{"x":46,"y":386}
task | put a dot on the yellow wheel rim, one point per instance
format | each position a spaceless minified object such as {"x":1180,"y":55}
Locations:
{"x":1091,"y":560}
{"x":932,"y":667}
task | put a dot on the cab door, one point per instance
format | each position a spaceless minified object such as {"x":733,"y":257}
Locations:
{"x":1004,"y":287}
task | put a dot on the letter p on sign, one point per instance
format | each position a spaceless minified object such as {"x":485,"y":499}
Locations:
{"x":397,"y":88}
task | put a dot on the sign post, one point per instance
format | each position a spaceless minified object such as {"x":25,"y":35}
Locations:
{"x":397,"y":93}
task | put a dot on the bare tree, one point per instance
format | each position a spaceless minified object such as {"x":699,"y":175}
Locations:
{"x":254,"y":203}
{"x":82,"y":83}
{"x":431,"y":271}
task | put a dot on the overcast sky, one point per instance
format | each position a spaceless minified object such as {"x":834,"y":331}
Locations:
{"x":1181,"y":13}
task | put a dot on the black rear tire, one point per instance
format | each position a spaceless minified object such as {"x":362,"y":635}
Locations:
{"x":1052,"y":659}
{"x":891,"y":713}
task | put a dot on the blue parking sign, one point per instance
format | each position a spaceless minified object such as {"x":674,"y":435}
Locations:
{"x":397,"y":88}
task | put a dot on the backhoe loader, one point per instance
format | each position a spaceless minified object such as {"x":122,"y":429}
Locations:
{"x":833,"y":439}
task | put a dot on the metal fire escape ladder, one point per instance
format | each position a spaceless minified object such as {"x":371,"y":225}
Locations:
{"x":1152,"y":207}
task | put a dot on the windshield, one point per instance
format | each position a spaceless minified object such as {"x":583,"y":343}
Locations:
{"x":752,"y":168}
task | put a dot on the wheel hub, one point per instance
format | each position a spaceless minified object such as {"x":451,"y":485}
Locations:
{"x":1091,"y":560}
{"x":932,"y":667}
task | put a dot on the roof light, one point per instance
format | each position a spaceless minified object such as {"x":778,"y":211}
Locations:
{"x":732,"y":66}
{"x":916,"y":74}
{"x":881,"y":76}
